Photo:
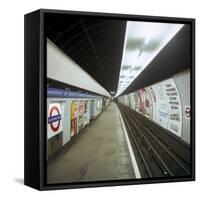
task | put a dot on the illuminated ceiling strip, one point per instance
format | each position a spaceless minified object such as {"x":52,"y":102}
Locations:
{"x":143,"y":42}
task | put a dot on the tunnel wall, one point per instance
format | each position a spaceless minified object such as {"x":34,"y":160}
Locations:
{"x":182,"y":81}
{"x":68,"y":114}
{"x":62,"y":68}
{"x":165,"y":103}
{"x":56,"y":139}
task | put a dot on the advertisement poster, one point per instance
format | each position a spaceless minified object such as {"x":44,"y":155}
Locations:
{"x":136,"y":102}
{"x":99,"y":104}
{"x":167,"y":105}
{"x":54,"y":119}
{"x":153,"y":103}
{"x":149,"y":102}
{"x":175,"y":109}
{"x":86,"y":113}
{"x":74,"y":118}
{"x":161,"y":105}
{"x":140,"y":106}
{"x":81,"y":114}
{"x":131,"y":99}
{"x":144,"y":102}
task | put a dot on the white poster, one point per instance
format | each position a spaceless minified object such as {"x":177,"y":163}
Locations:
{"x":175,"y":109}
{"x":168,"y":106}
{"x":161,"y":104}
{"x":54,"y":121}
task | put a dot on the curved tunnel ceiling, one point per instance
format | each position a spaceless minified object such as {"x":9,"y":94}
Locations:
{"x":143,"y":41}
{"x":97,"y":44}
{"x":173,"y":58}
{"x":94,"y":43}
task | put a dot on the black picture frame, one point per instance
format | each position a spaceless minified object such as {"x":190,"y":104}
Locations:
{"x":35,"y":100}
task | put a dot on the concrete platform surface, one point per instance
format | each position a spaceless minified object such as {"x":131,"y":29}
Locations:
{"x":100,"y":153}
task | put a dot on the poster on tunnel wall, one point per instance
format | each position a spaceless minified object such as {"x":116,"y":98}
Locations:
{"x":175,"y":108}
{"x":74,"y":118}
{"x":161,"y":106}
{"x":144,"y":102}
{"x":86,"y":113}
{"x":168,"y":109}
{"x":149,"y":102}
{"x":153,"y":103}
{"x":81,"y":111}
{"x":139,"y":102}
{"x":54,"y":124}
{"x":132,"y":100}
{"x":136,"y":102}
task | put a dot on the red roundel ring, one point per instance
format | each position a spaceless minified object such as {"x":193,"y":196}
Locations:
{"x":51,"y":124}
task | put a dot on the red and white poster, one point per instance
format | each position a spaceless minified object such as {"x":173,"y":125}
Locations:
{"x":54,"y":124}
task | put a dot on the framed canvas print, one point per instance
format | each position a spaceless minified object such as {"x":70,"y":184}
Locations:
{"x":109,"y":99}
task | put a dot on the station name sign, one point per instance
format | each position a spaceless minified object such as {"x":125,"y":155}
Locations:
{"x":55,"y":92}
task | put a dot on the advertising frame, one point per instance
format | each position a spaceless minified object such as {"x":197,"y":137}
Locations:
{"x":35,"y":98}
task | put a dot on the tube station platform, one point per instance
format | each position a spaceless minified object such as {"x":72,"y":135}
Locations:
{"x":100,"y":153}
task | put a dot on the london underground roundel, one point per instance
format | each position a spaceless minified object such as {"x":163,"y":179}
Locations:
{"x":54,"y":119}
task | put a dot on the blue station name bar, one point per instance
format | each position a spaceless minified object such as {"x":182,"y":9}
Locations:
{"x":55,"y":92}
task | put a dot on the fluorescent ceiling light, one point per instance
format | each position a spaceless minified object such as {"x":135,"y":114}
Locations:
{"x":143,"y":41}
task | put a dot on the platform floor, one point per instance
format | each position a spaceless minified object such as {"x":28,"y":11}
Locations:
{"x":100,"y":153}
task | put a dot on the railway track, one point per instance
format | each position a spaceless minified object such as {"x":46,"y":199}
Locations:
{"x":158,"y":153}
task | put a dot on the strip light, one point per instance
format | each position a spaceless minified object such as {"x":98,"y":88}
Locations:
{"x":143,"y":41}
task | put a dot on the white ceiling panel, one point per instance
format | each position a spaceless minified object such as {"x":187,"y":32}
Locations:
{"x":143,"y":41}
